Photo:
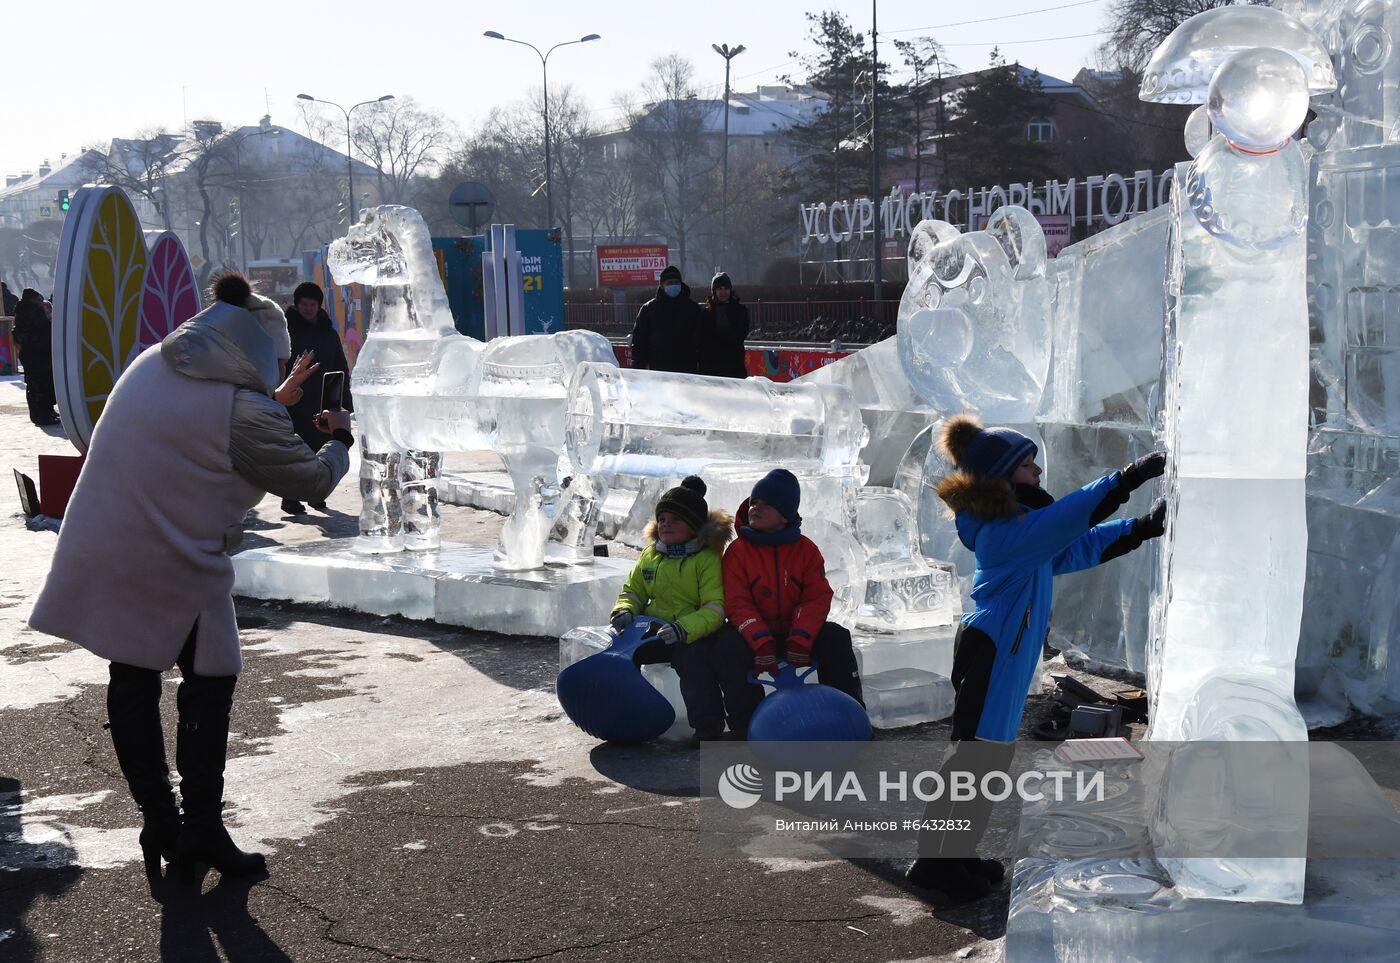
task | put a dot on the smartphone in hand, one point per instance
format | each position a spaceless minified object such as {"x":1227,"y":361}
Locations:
{"x":332,"y":388}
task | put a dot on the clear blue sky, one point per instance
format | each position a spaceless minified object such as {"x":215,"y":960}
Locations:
{"x":87,"y":71}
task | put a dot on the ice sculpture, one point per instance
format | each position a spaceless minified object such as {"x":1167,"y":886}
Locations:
{"x":660,"y":426}
{"x":1353,"y":279}
{"x":421,"y":389}
{"x":1227,"y":613}
{"x":973,"y":327}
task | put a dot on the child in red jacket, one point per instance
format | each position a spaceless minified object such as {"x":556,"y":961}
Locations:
{"x":776,"y":599}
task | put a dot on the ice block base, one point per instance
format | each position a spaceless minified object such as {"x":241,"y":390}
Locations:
{"x":1111,"y":908}
{"x":454,"y":585}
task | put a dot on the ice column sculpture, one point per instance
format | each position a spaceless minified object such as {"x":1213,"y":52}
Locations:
{"x":1227,"y":614}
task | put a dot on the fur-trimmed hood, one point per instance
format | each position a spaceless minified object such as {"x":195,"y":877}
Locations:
{"x":716,"y":533}
{"x":986,"y":498}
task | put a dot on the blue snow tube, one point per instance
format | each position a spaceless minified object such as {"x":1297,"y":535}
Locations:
{"x":607,"y":696}
{"x":797,"y":712}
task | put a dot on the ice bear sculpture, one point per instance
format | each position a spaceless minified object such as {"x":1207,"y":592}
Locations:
{"x":974,"y":329}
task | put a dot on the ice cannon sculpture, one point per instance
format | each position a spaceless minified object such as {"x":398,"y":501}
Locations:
{"x":421,"y":388}
{"x":659,"y":426}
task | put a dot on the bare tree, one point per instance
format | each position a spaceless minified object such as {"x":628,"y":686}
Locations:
{"x":1136,"y":27}
{"x":139,"y":165}
{"x":401,"y":140}
{"x":671,"y":155}
{"x":930,"y":65}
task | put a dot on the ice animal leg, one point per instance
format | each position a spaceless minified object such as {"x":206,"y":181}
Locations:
{"x":535,"y":474}
{"x":381,"y":519}
{"x":576,"y":524}
{"x":422,"y":522}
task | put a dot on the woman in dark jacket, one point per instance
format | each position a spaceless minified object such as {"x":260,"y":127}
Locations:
{"x":34,"y":339}
{"x":311,"y":329}
{"x":725,"y":327}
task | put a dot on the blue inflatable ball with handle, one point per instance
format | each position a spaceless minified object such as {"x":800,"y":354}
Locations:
{"x":797,"y":712}
{"x":607,"y":696}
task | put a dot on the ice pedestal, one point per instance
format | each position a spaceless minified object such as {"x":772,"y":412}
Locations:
{"x":903,"y":589}
{"x":454,"y":585}
{"x":905,"y":675}
{"x":579,"y":643}
{"x":1116,"y":903}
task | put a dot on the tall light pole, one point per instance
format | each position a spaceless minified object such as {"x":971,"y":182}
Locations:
{"x":544,"y":67}
{"x":875,"y":149}
{"x":728,"y":53}
{"x":242,"y":211}
{"x":349,"y":162}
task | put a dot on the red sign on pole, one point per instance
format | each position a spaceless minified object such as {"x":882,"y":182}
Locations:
{"x":630,"y":265}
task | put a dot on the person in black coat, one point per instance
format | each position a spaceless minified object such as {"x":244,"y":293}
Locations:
{"x":312,"y":331}
{"x":10,"y":301}
{"x":666,"y":336}
{"x":34,"y":339}
{"x":724,"y":331}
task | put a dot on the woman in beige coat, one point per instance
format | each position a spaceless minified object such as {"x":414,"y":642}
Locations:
{"x":190,"y":439}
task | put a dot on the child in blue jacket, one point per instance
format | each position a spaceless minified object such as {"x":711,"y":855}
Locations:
{"x":1022,"y":538}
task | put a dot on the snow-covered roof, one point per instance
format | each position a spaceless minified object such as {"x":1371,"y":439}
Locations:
{"x":69,"y":172}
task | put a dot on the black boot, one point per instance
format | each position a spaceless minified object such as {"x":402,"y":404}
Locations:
{"x":989,"y":869}
{"x":290,"y":506}
{"x":133,"y":718}
{"x":201,"y":747}
{"x":949,"y":877}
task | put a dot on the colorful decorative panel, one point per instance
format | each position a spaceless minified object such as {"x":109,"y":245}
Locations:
{"x":97,"y":304}
{"x":170,"y":295}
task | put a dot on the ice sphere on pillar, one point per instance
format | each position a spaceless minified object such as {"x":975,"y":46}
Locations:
{"x":974,"y":331}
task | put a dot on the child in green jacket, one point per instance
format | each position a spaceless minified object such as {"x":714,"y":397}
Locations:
{"x":679,"y":579}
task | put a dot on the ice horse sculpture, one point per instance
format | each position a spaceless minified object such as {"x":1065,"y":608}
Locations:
{"x":422,"y":389}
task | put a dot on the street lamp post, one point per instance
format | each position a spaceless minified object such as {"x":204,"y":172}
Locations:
{"x":242,"y":210}
{"x":349,"y":161}
{"x":544,"y":69}
{"x":878,"y":291}
{"x":728,"y":53}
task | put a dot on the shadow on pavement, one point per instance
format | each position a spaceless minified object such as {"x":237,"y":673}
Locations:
{"x":192,"y":924}
{"x":26,"y":881}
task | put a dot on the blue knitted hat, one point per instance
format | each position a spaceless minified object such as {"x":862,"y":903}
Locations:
{"x":780,"y":489}
{"x":996,"y":453}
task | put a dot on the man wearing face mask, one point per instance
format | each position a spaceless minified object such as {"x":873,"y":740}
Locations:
{"x":666,"y":336}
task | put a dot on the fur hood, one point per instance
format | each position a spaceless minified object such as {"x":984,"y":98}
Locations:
{"x":986,"y":498}
{"x":963,"y":492}
{"x":715,"y":533}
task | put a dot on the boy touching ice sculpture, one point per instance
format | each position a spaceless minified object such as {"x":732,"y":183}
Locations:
{"x":1022,"y":538}
{"x":777,"y":600}
{"x":678,"y":578}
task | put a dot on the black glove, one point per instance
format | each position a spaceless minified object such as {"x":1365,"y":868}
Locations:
{"x":1154,"y":523}
{"x":1145,"y":469}
{"x":1151,"y":525}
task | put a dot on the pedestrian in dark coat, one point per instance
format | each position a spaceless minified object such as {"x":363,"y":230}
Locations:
{"x":312,"y":330}
{"x":723,"y":334}
{"x":666,"y":336}
{"x":9,"y":300}
{"x":34,"y":339}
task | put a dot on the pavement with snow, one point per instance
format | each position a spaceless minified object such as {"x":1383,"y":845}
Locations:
{"x":420,"y":794}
